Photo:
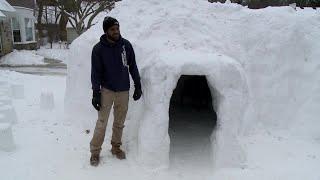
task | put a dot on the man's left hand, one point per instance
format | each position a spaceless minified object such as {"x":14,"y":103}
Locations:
{"x":137,"y":93}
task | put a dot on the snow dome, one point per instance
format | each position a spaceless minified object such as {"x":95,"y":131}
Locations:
{"x":196,"y":57}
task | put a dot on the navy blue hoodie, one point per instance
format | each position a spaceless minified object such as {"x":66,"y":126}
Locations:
{"x":111,"y":64}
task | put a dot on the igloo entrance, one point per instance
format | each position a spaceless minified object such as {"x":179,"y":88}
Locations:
{"x":192,"y":119}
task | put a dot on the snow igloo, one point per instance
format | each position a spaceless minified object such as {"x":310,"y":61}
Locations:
{"x":200,"y":81}
{"x":204,"y":80}
{"x":176,"y":77}
{"x":203,"y":56}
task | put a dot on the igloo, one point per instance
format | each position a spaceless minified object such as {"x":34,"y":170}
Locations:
{"x":248,"y":74}
{"x":228,"y":87}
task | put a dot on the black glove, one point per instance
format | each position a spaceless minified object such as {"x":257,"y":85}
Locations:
{"x":96,"y":100}
{"x":137,"y":92}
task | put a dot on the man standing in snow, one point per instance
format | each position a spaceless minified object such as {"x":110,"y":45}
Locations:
{"x":112,"y":60}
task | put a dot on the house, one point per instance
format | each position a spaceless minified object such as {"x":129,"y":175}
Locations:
{"x":6,"y":44}
{"x":23,"y":24}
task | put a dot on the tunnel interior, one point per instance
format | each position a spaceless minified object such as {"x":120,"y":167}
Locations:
{"x":192,"y":119}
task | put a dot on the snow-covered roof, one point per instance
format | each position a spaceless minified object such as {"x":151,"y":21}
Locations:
{"x":5,"y":6}
{"x":2,"y":15}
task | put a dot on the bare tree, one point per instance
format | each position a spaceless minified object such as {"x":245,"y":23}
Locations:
{"x":39,"y":18}
{"x":77,"y":11}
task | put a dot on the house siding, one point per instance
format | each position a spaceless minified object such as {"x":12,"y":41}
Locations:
{"x":6,"y":36}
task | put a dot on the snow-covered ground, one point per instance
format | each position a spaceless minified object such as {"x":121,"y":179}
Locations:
{"x":276,"y":48}
{"x":58,"y":52}
{"x":22,"y":57}
{"x":49,"y":147}
{"x":45,"y":60}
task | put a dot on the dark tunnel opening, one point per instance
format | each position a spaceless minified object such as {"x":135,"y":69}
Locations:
{"x":192,"y":119}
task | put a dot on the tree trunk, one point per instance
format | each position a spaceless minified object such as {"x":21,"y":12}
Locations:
{"x":63,"y":27}
{"x":39,"y":19}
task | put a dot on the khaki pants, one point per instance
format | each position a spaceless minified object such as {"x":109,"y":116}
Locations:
{"x":120,"y":105}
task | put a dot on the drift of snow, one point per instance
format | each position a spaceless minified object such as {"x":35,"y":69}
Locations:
{"x":22,"y":57}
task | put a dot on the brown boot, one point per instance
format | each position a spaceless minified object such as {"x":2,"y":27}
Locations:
{"x":115,"y":150}
{"x":94,"y":159}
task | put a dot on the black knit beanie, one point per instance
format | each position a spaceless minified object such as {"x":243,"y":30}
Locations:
{"x":108,"y":22}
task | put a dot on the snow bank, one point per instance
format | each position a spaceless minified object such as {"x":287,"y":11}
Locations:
{"x":22,"y":57}
{"x":58,"y":52}
{"x":256,"y":61}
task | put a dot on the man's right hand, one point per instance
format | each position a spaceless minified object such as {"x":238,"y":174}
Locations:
{"x":96,"y":100}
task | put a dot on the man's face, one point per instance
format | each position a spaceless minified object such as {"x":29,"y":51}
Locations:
{"x":114,"y":33}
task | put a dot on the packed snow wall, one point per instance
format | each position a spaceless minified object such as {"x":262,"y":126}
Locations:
{"x":256,"y":61}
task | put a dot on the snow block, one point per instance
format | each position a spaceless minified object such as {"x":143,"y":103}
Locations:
{"x":17,"y":91}
{"x":6,"y":137}
{"x":9,"y":113}
{"x":5,"y":100}
{"x":3,"y":83}
{"x":4,"y":92}
{"x":47,"y":101}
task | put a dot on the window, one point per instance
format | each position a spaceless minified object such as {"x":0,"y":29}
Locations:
{"x":16,"y":30}
{"x":29,"y":29}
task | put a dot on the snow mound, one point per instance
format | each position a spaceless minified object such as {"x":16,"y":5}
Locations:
{"x":22,"y":57}
{"x":56,"y":53}
{"x":261,"y":65}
